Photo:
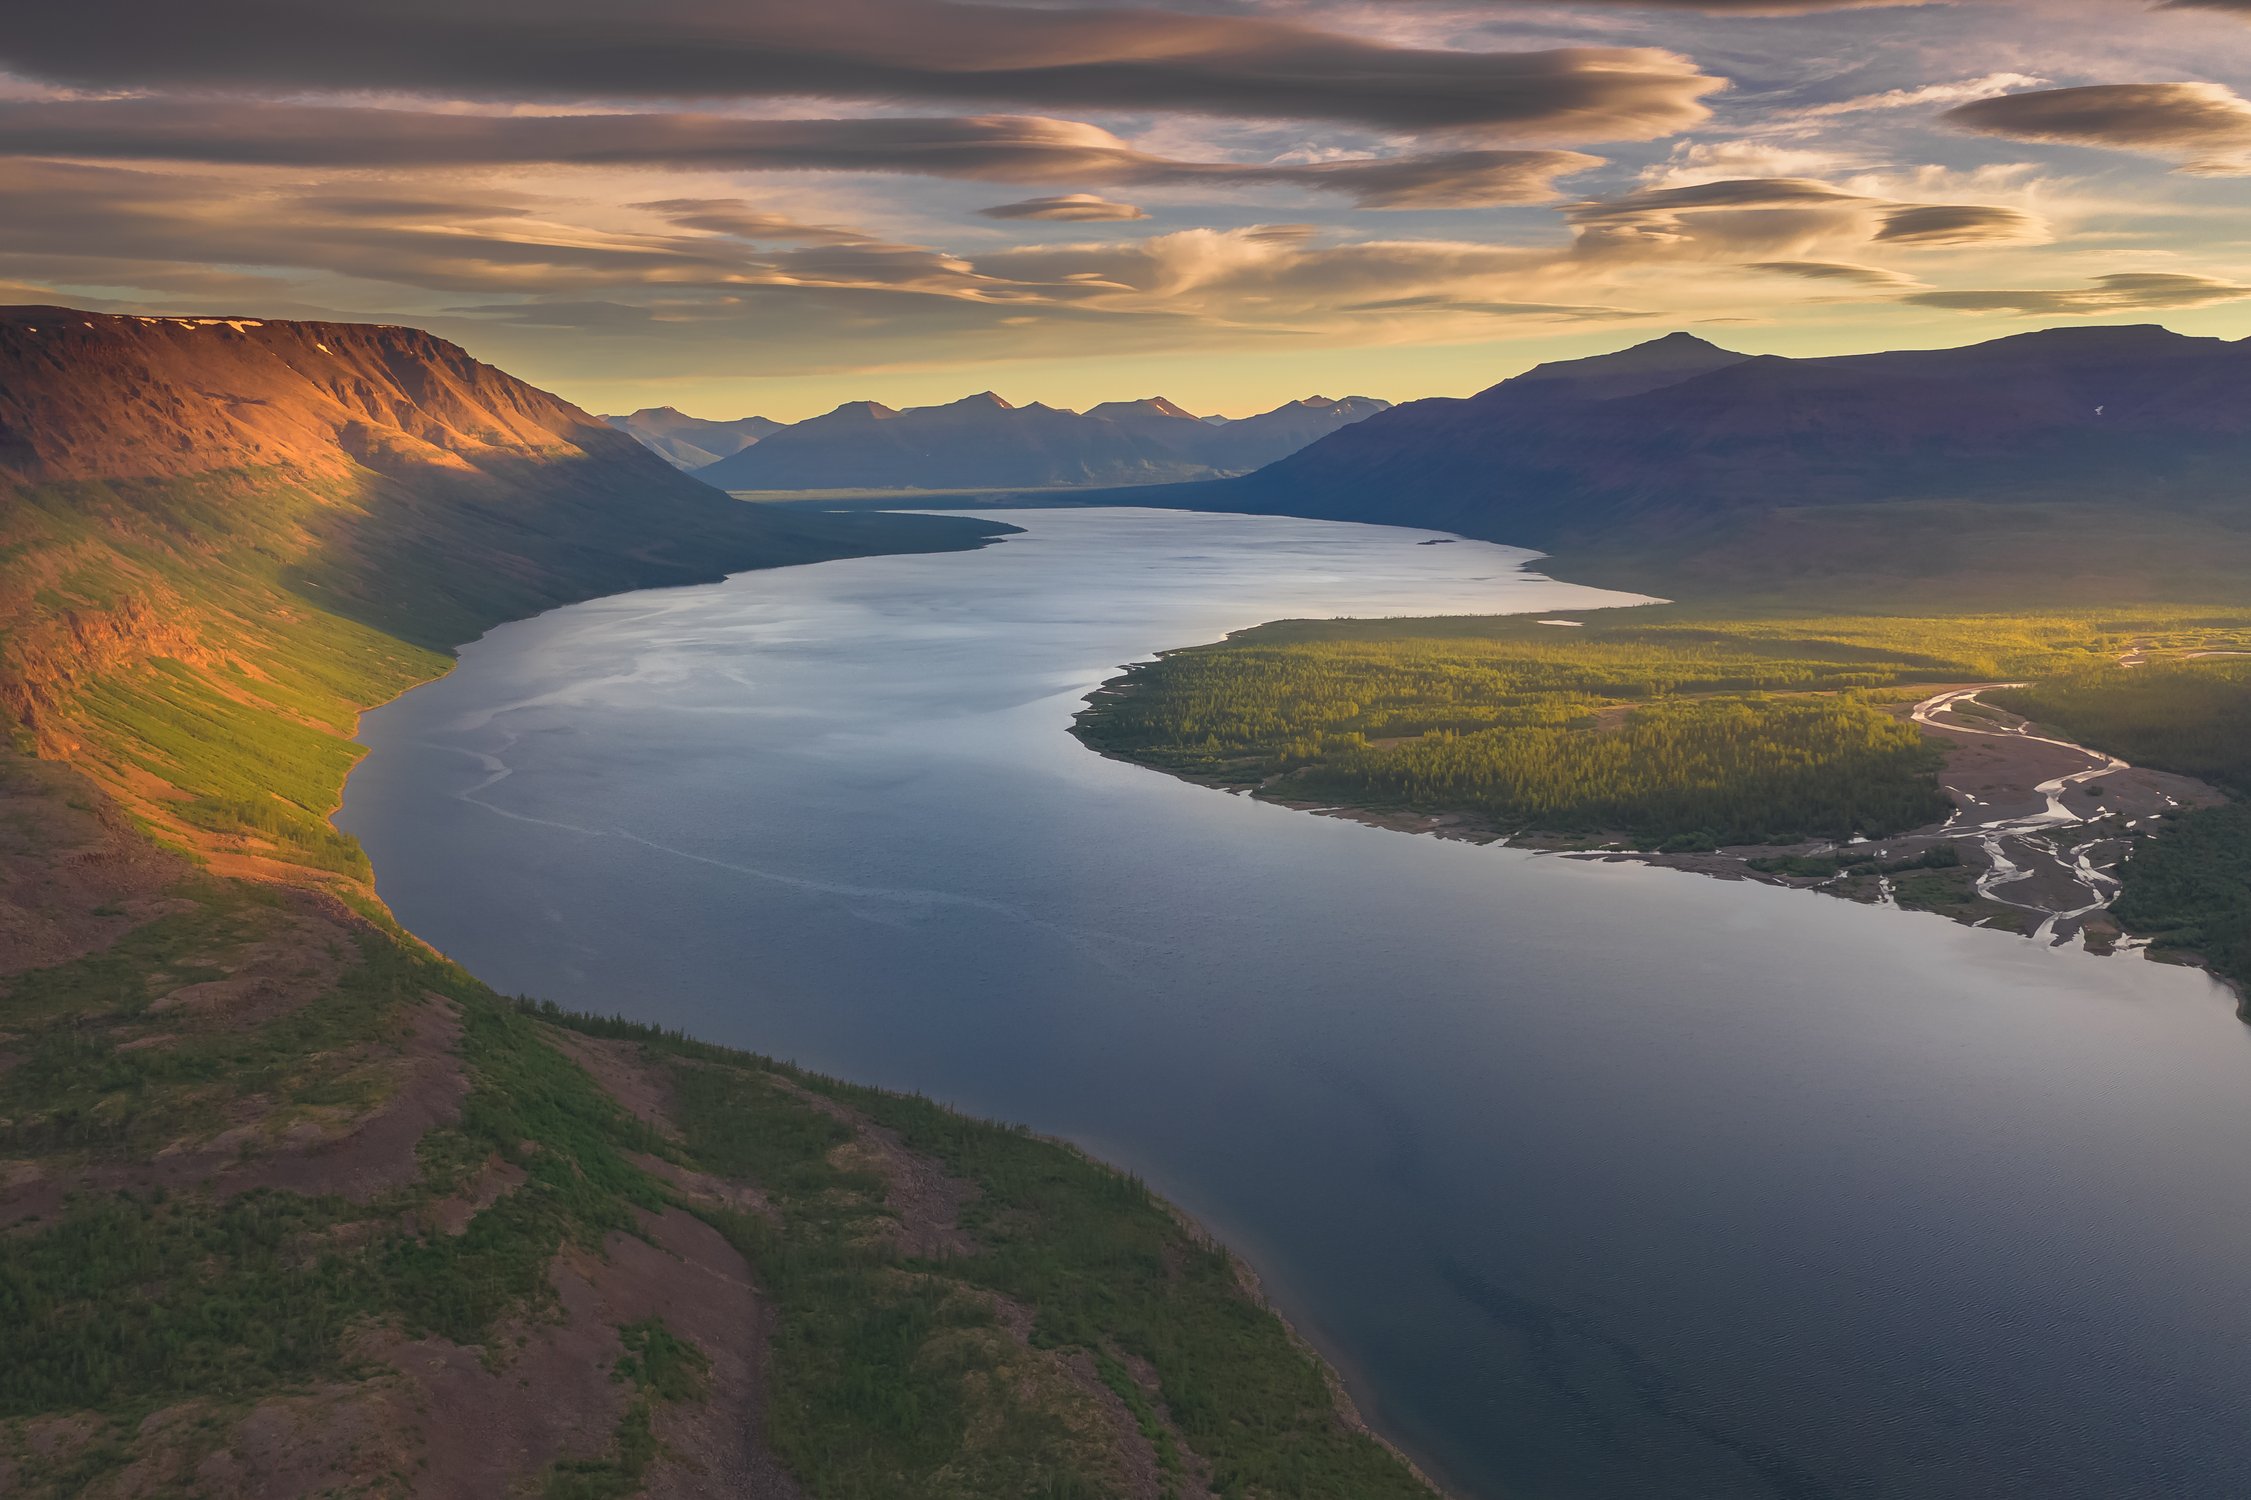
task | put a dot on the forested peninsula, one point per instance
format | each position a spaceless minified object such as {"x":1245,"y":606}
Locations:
{"x":1836,"y":752}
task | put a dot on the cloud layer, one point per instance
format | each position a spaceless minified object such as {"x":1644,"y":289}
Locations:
{"x":1080,"y":57}
{"x":989,"y":148}
{"x":875,"y":186}
{"x":2120,"y":292}
{"x":1785,"y":217}
{"x":1066,"y":208}
{"x":2206,"y":126}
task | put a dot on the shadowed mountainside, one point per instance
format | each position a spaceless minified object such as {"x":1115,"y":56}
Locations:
{"x":293,"y":1206}
{"x":982,"y":441}
{"x":692,"y":442}
{"x":2074,"y":450}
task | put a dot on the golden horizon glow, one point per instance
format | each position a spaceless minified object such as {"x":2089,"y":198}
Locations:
{"x":1232,"y":210}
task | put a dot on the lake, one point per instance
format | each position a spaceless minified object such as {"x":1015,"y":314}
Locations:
{"x":1595,"y":1180}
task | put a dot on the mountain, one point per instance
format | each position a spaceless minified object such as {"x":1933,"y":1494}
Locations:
{"x":379,"y":469}
{"x":1253,"y":442}
{"x":1677,"y":442}
{"x":292,"y":1205}
{"x":692,"y":442}
{"x":983,"y":442}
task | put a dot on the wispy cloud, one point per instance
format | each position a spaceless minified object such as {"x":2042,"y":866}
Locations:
{"x":1923,"y":96}
{"x":866,"y":184}
{"x":990,"y":148}
{"x":1837,"y":271}
{"x":2125,"y":291}
{"x":1067,"y":208}
{"x":1783,"y":218}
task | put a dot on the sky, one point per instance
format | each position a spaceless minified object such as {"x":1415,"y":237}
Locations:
{"x":775,"y":206}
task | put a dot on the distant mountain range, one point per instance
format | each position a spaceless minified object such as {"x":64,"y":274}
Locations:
{"x":692,"y":442}
{"x":983,"y":442}
{"x":1678,"y":442}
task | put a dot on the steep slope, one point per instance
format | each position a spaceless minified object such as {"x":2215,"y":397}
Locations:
{"x":380,"y":470}
{"x":1256,"y":441}
{"x":982,"y":442}
{"x":688,"y":442}
{"x":1676,"y":444}
{"x":293,"y":1206}
{"x":1160,"y":422}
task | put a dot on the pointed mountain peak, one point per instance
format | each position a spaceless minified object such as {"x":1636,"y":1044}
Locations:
{"x":1147,"y":406}
{"x":981,"y":400}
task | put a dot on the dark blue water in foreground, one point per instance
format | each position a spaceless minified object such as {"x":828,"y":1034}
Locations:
{"x":1597,"y":1181}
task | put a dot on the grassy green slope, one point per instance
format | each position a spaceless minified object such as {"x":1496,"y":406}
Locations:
{"x":237,"y":1104}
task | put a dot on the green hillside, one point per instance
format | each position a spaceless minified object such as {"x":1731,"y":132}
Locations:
{"x":293,"y":1204}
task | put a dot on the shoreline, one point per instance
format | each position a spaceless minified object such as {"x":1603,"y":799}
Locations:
{"x":1983,"y":846}
{"x":1347,"y":1407}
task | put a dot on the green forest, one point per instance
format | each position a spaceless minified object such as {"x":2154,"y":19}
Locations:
{"x":1672,"y":727}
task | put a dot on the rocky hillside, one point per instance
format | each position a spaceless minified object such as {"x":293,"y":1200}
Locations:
{"x":291,"y":1206}
{"x":983,"y":442}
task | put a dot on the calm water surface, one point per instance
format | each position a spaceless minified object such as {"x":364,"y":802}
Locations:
{"x":1597,"y":1181}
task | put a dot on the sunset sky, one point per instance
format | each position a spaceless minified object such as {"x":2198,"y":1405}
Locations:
{"x":774,"y":207}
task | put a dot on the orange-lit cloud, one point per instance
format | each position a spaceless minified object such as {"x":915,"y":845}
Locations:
{"x":993,"y":148}
{"x":1066,"y":208}
{"x":686,"y":189}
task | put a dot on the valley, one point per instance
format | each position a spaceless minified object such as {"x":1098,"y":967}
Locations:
{"x":404,"y":1233}
{"x":1482,"y":1117}
{"x":1125,"y":750}
{"x":698,"y":835}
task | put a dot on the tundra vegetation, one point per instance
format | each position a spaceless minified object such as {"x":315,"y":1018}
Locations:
{"x":266,"y":1160}
{"x":1685,"y":727}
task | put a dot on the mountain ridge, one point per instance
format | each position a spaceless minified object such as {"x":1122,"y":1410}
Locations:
{"x":984,"y":441}
{"x":1677,"y":443}
{"x":692,"y":442}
